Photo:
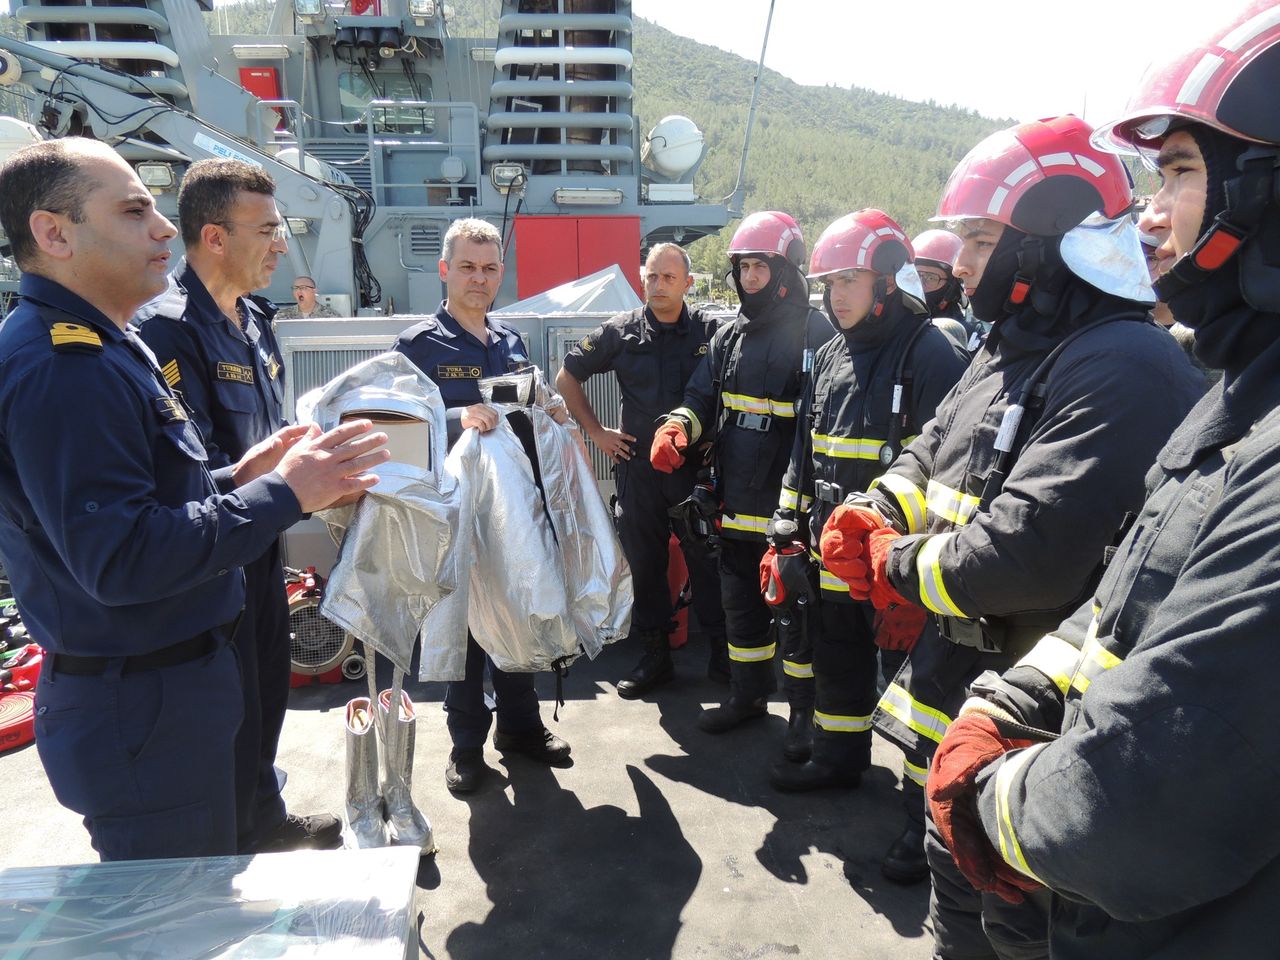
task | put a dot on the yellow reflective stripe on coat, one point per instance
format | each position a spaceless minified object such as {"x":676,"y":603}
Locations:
{"x":695,"y":425}
{"x":1010,"y":849}
{"x":1095,"y":660}
{"x":744,"y":521}
{"x":752,"y":654}
{"x":762,"y":405}
{"x":914,"y":772}
{"x":950,"y":504}
{"x":826,"y":579}
{"x":801,"y":671}
{"x":1055,"y":658}
{"x":835,"y":723}
{"x":846,"y":448}
{"x":789,"y":499}
{"x":910,"y":499}
{"x":929,"y":572}
{"x":921,"y":718}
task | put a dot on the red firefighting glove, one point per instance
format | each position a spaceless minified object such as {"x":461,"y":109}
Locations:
{"x":669,"y":443}
{"x":971,"y":742}
{"x":882,"y":593}
{"x":844,"y":546}
{"x":898,"y":627}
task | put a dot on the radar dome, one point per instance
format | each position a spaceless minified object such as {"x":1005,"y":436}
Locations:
{"x":673,"y":147}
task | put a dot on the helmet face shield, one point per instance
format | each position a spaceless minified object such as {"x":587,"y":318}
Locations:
{"x":1108,"y":254}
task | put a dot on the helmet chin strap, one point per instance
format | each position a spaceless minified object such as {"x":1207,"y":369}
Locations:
{"x":1030,"y":258}
{"x":1248,"y":197}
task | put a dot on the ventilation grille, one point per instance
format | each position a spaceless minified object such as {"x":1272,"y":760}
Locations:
{"x":425,"y":242}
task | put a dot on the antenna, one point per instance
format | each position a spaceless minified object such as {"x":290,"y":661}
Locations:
{"x":735,"y":199}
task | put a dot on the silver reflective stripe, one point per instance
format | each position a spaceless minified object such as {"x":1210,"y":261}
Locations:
{"x":752,"y":654}
{"x":1006,"y":776}
{"x":802,"y":671}
{"x":950,"y":504}
{"x":835,"y":723}
{"x":914,"y":772}
{"x":1055,"y":658}
{"x":909,"y":498}
{"x":921,"y":718}
{"x":929,"y":574}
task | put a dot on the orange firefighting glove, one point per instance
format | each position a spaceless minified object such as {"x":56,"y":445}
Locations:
{"x":898,"y":627}
{"x":844,"y":546}
{"x":669,"y":443}
{"x":972,"y":742}
{"x":882,"y":593}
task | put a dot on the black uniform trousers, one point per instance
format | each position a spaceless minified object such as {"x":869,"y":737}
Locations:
{"x":262,"y":644}
{"x":916,"y":765}
{"x":844,"y":669}
{"x":644,"y":497}
{"x":145,"y":756}
{"x":754,"y":638}
{"x":468,"y":716}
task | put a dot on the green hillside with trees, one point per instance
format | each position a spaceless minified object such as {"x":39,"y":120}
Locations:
{"x":817,"y":152}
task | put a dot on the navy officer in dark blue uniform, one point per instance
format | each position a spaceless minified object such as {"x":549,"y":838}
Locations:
{"x":653,"y":351}
{"x":124,"y":555}
{"x":216,"y":347}
{"x":455,"y":348}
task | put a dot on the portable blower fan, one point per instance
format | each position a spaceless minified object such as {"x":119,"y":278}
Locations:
{"x":320,"y":651}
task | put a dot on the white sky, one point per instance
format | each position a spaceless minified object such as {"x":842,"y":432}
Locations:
{"x":1023,"y":59}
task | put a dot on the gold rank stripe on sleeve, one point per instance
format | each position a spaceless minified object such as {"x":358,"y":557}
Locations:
{"x":172,"y":375}
{"x":745,"y":522}
{"x":743,"y":403}
{"x":910,"y":499}
{"x":836,"y":723}
{"x":65,"y":334}
{"x":951,"y":505}
{"x":1055,"y":658}
{"x":847,"y":448}
{"x":933,"y":590}
{"x":921,"y":718}
{"x":1006,"y":777}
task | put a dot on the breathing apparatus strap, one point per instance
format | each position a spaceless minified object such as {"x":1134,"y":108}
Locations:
{"x":902,"y":377}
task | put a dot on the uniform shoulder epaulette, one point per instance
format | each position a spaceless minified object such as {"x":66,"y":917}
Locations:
{"x":75,"y":337}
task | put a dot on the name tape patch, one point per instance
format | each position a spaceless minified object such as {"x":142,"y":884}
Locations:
{"x":234,"y":372}
{"x":457,"y":371}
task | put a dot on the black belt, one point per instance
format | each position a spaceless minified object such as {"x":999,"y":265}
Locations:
{"x":184,"y":651}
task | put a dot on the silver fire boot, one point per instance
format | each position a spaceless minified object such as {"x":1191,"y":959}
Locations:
{"x":364,"y":827}
{"x":409,"y":828}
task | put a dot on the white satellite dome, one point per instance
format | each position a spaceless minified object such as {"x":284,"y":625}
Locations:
{"x":673,"y":147}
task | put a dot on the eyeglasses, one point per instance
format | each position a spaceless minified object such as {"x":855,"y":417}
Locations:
{"x":302,"y":286}
{"x":274,"y":232}
{"x":930,"y":280}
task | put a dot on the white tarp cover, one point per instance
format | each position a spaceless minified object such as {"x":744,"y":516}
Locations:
{"x":605,"y":291}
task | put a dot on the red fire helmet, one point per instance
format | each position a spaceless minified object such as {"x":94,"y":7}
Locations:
{"x":1226,"y":78}
{"x":940,"y":247}
{"x":770,"y":233}
{"x":1042,"y":178}
{"x":864,"y":240}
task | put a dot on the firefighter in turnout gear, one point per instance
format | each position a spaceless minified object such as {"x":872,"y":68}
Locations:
{"x":874,"y":386}
{"x":936,"y":252}
{"x":744,"y":398}
{"x":996,"y":518}
{"x":1150,"y":816}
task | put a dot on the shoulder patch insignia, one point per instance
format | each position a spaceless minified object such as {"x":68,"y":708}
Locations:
{"x":456,"y":371}
{"x":170,"y":409}
{"x":234,"y":372}
{"x":588,"y":343}
{"x":75,"y":336}
{"x":172,"y":375}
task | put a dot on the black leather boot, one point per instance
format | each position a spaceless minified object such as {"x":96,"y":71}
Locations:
{"x":813,"y":775}
{"x":734,"y":712}
{"x":654,"y":668}
{"x":798,"y":744}
{"x":905,"y":862}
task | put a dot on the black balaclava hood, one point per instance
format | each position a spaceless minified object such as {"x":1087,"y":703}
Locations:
{"x":784,"y":283}
{"x":1220,"y":153}
{"x":947,"y":300}
{"x":989,"y":299}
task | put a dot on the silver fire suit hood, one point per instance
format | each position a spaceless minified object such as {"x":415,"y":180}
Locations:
{"x":399,"y":557}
